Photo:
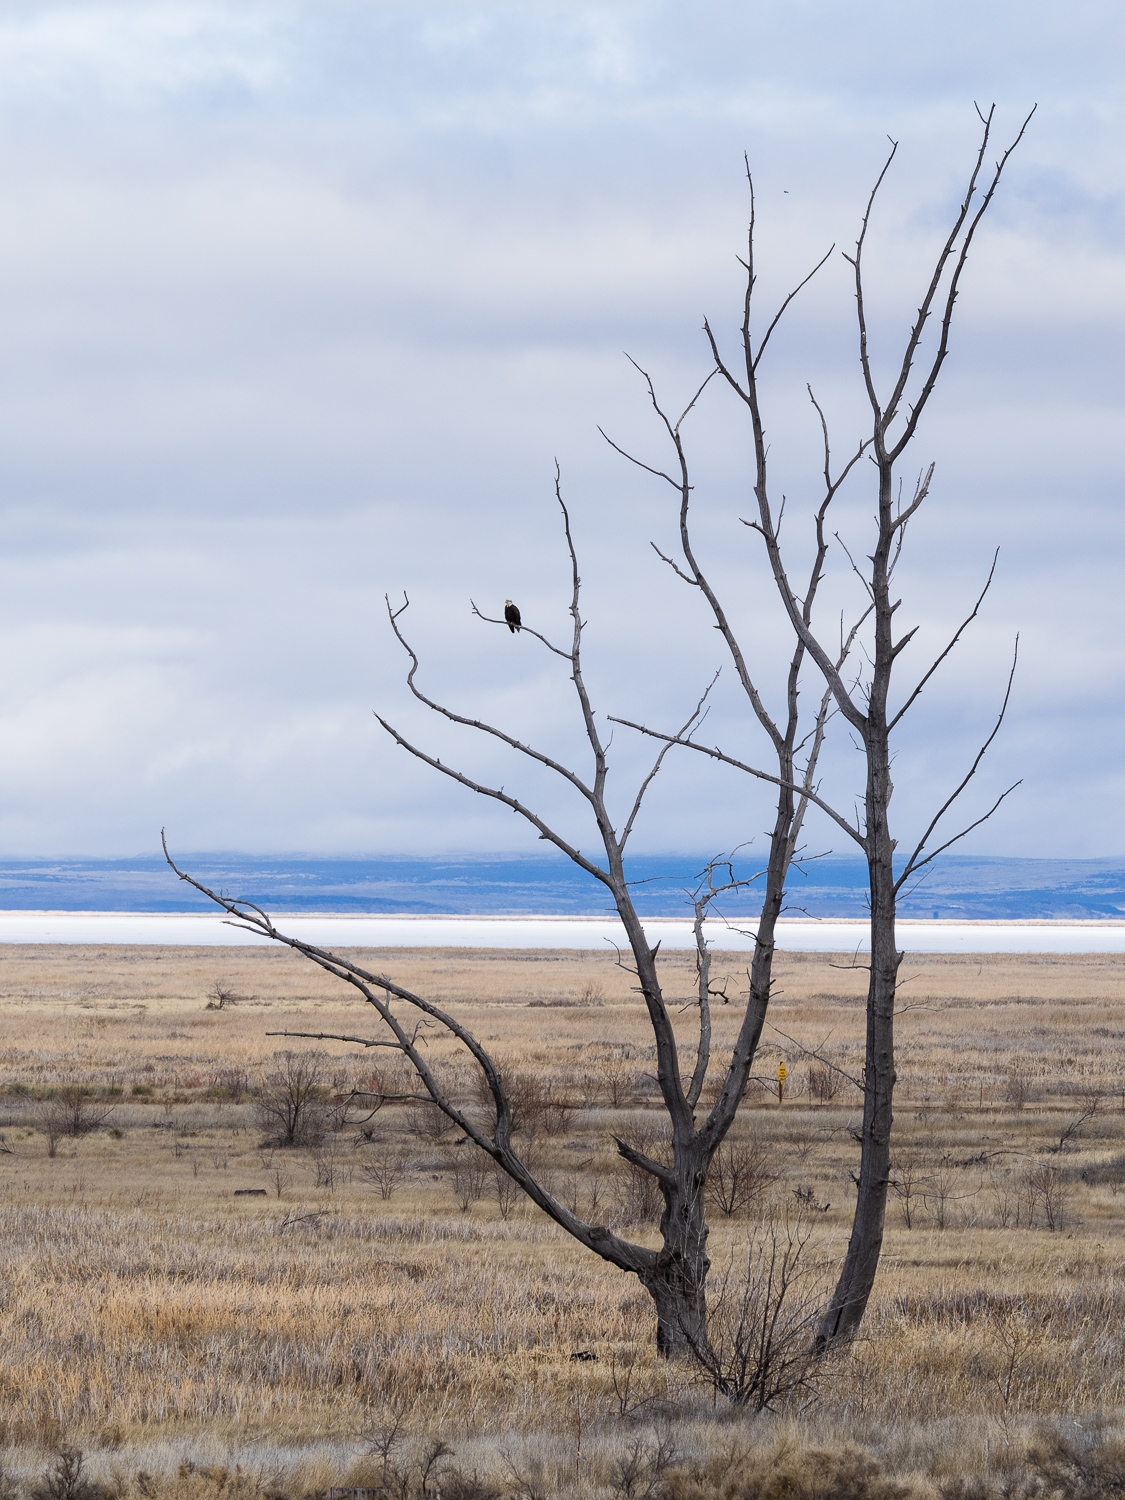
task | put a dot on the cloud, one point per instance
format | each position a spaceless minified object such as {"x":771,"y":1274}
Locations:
{"x":300,"y":302}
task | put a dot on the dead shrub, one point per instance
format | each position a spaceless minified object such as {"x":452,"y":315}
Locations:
{"x":332,"y":1168}
{"x":538,"y":1106}
{"x":425,"y":1120}
{"x":66,"y":1479}
{"x":221,"y":995}
{"x":1048,"y":1195}
{"x":71,"y":1111}
{"x":1017,"y":1085}
{"x":385,"y":1168}
{"x":470,"y":1176}
{"x":506,"y":1190}
{"x":639,"y":1474}
{"x":290,"y":1102}
{"x":229,"y":1083}
{"x":824,"y":1082}
{"x":763,"y":1317}
{"x":740,"y":1176}
{"x":609,"y":1081}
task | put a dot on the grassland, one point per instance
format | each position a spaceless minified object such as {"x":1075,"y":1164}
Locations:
{"x":173,"y":1326}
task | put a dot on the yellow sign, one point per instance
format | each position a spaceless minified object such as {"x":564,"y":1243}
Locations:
{"x":782,"y":1072}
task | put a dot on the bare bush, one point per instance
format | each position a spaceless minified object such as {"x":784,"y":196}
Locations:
{"x":470,"y":1178}
{"x":66,"y":1479}
{"x":740,"y":1176}
{"x":610,"y":1081}
{"x":1083,"y":1466}
{"x":505,"y":1189}
{"x":538,"y":1107}
{"x":419,"y":1474}
{"x":427,"y":1121}
{"x":71,"y":1111}
{"x":824,"y":1082}
{"x":762,"y":1321}
{"x":1047,"y":1193}
{"x":278,"y":1176}
{"x":384,"y":1168}
{"x":907,"y":1170}
{"x":640,"y":1473}
{"x":220,"y":996}
{"x":332,"y":1168}
{"x":230,"y":1083}
{"x":1017,"y":1085}
{"x":290,"y":1101}
{"x":938,"y":1194}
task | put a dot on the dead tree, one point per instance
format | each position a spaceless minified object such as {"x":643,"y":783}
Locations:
{"x":864,"y":703}
{"x":675,"y":1275}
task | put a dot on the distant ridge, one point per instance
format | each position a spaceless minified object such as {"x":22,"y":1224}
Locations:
{"x":964,"y":887}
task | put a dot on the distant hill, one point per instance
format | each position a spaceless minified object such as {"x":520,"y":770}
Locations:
{"x":962,"y":887}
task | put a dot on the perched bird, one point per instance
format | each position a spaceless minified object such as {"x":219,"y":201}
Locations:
{"x":512,"y":615}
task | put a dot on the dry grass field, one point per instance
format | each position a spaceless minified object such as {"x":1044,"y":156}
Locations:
{"x":379,"y":1294}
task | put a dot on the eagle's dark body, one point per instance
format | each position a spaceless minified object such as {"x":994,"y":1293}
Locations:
{"x":512,"y":615}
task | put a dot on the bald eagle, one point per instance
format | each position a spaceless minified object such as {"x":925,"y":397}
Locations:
{"x":512,"y":615}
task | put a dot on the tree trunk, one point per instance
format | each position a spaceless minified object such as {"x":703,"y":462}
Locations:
{"x":678,"y":1290}
{"x":857,"y":1276}
{"x":677,"y":1279}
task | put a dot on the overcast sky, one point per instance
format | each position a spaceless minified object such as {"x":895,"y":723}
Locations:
{"x":299,"y":302}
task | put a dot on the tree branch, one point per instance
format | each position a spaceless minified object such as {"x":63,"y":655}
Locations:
{"x":965,"y":623}
{"x":914,"y":863}
{"x":729,"y":760}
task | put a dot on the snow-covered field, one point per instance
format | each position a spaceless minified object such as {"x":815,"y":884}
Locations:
{"x":551,"y":932}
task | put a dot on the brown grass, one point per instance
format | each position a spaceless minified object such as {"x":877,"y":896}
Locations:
{"x":150,"y":1316}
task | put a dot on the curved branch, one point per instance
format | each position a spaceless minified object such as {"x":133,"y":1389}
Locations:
{"x":524,"y":629}
{"x":951,"y":297}
{"x":778,"y":315}
{"x":479,"y":724}
{"x":619,"y":1252}
{"x":965,"y":623}
{"x":861,"y":313}
{"x":957,"y":836}
{"x":729,"y":760}
{"x":499,"y":795}
{"x":651,"y":777}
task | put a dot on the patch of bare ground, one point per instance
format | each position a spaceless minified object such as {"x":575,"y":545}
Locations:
{"x":202,"y":1309}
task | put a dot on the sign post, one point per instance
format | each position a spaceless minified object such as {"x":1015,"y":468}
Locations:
{"x":782,"y":1075}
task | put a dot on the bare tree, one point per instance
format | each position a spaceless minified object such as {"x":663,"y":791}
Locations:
{"x":865,"y":703}
{"x":675,"y":1274}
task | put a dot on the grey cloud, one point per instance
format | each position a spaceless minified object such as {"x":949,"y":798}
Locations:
{"x":300,"y":301}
